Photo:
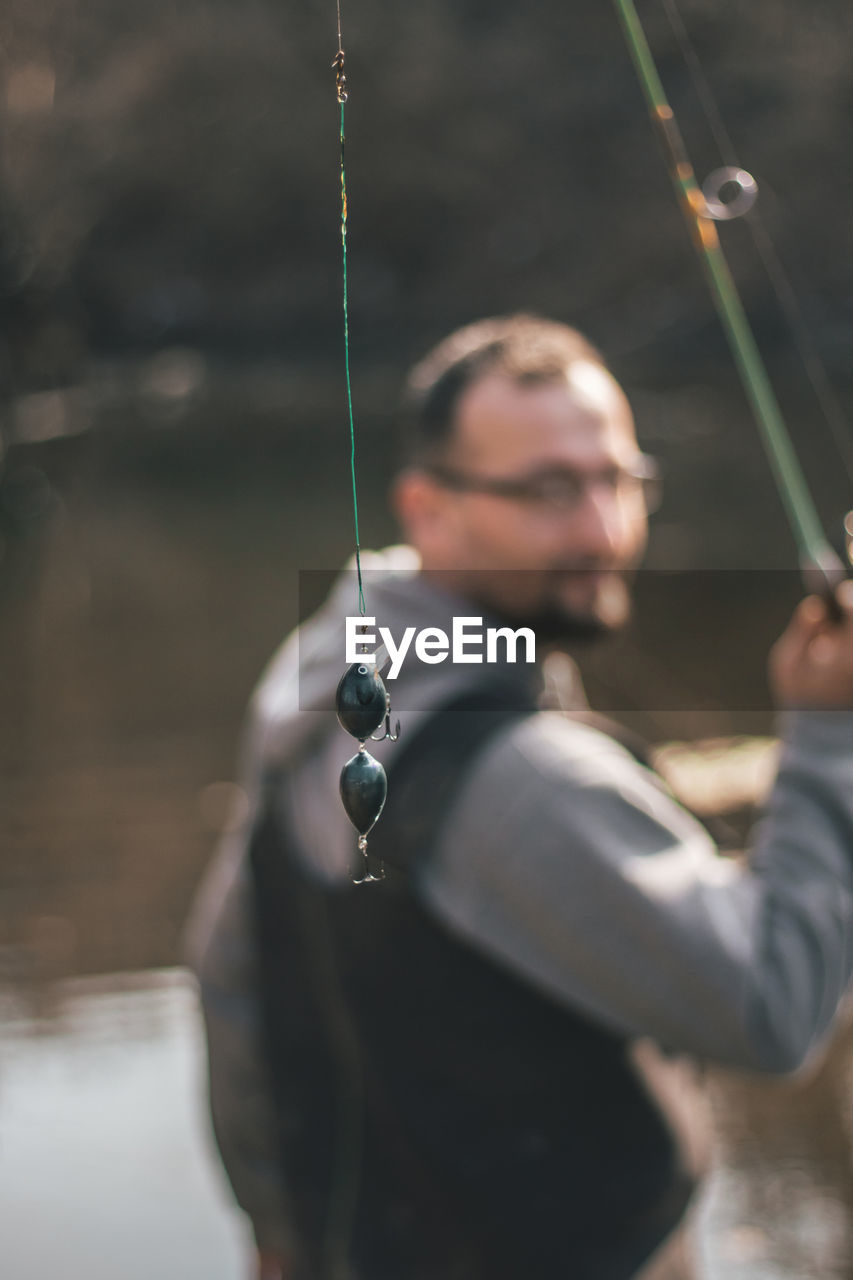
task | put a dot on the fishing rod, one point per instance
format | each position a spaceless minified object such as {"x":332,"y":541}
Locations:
{"x":821,"y":567}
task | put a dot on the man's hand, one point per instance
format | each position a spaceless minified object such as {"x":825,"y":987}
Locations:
{"x":811,"y":664}
{"x":272,"y":1267}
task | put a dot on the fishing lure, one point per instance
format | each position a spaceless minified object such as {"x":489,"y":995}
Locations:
{"x":361,"y":701}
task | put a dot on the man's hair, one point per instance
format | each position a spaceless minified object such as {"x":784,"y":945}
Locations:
{"x":525,"y":348}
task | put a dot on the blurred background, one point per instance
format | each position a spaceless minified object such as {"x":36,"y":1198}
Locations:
{"x":175,"y":447}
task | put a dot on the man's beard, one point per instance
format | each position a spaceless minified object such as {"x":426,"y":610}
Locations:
{"x":556,"y":626}
{"x":557,"y":622}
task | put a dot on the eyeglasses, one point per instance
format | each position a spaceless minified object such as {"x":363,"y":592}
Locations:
{"x":560,"y":488}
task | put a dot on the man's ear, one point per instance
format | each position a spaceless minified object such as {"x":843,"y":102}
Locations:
{"x":421,"y":508}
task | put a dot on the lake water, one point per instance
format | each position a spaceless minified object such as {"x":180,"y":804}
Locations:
{"x":106,"y":1163}
{"x":107,"y":1166}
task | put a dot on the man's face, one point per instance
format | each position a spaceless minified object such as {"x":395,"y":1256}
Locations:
{"x":551,"y":542}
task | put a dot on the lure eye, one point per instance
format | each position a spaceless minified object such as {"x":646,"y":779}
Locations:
{"x":362,"y":671}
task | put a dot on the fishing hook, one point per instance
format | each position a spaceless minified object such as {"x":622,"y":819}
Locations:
{"x":392,"y":737}
{"x":368,"y":877}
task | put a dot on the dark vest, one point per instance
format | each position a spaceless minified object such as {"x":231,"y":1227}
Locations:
{"x":440,"y":1118}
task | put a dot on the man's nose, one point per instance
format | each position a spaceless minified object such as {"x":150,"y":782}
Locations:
{"x":598,"y":525}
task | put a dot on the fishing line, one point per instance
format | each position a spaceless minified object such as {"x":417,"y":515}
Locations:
{"x":780,"y":281}
{"x":338,"y":65}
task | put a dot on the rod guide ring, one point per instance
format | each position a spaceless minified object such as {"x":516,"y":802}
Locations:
{"x":729,"y":193}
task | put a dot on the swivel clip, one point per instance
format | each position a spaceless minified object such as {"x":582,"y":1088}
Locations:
{"x":340,"y":75}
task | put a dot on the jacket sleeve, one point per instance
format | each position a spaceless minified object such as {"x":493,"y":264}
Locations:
{"x":222,"y":953}
{"x":570,"y":863}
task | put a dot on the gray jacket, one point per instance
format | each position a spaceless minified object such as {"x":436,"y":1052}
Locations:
{"x":562,"y":858}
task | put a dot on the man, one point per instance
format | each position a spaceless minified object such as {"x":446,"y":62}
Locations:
{"x":430,"y":1078}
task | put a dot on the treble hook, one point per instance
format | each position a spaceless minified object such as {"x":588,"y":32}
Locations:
{"x":368,"y":877}
{"x":392,"y":737}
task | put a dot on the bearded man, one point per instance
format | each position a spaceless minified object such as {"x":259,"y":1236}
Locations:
{"x":431,"y":1078}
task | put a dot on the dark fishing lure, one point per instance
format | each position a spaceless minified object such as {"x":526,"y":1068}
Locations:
{"x":362,"y":703}
{"x":363,"y":790}
{"x":361,"y":700}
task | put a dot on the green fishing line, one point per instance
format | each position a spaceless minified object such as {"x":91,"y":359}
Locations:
{"x":340,"y":81}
